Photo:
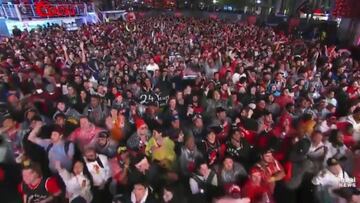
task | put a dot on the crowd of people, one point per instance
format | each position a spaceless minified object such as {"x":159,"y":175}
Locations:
{"x":175,"y":109}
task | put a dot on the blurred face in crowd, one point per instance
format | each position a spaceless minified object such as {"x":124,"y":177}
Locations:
{"x":84,"y":123}
{"x":139,"y":192}
{"x":90,"y":154}
{"x":222,"y":115}
{"x":236,"y":137}
{"x":204,"y":169}
{"x":8,"y":123}
{"x":228,"y":164}
{"x":261,"y":104}
{"x":94,"y":102}
{"x":190,"y":144}
{"x":268,"y":118}
{"x":83,"y":94}
{"x":30,"y":177}
{"x":172,"y":103}
{"x":167,"y":195}
{"x":198,"y":123}
{"x":61,"y":106}
{"x":55,"y":137}
{"x":13,"y":99}
{"x":256,"y":178}
{"x":157,"y":136}
{"x":78,"y":168}
{"x":216,"y":95}
{"x":143,"y":130}
{"x":268,"y":157}
{"x":316,"y":137}
{"x":71,"y":91}
{"x":30,"y":115}
{"x":60,"y":121}
{"x":102,"y":141}
{"x":175,"y":124}
{"x":211,"y":137}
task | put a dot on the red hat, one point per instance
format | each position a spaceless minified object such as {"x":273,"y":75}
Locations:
{"x":139,"y":123}
{"x":118,"y":94}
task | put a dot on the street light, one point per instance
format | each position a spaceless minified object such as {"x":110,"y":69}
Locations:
{"x":215,"y":1}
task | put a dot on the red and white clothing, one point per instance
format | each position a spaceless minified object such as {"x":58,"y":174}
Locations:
{"x":268,"y":170}
{"x":99,"y":170}
{"x":76,"y":185}
{"x":44,"y":189}
{"x":85,"y":138}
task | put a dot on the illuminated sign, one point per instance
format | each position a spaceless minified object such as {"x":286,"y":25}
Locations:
{"x":44,"y":9}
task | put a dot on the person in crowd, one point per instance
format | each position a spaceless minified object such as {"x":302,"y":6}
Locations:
{"x":37,"y":188}
{"x":336,"y":147}
{"x":331,"y":178}
{"x":271,"y":169}
{"x":85,"y":135}
{"x":141,"y":193}
{"x":117,"y":125}
{"x":68,"y":111}
{"x":56,"y":147}
{"x":238,"y":148}
{"x":317,"y":150}
{"x":257,"y":188}
{"x":188,"y":155}
{"x":231,"y":174}
{"x":137,"y":141}
{"x":11,"y":129}
{"x":211,"y":147}
{"x":96,"y":111}
{"x":78,"y":184}
{"x":161,"y":148}
{"x":105,"y":145}
{"x":197,"y":130}
{"x":99,"y":168}
{"x":204,"y":182}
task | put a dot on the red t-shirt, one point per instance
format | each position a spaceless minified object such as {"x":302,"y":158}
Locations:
{"x":255,"y":193}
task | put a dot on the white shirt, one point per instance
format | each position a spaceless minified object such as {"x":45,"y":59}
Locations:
{"x":316,"y":151}
{"x":356,"y":127}
{"x":75,"y":187}
{"x":324,"y":127}
{"x":331,"y":151}
{"x":327,"y":179}
{"x":152,"y":67}
{"x":99,"y":174}
{"x":143,"y":200}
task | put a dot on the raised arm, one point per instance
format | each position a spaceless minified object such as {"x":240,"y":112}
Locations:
{"x":65,"y":53}
{"x":83,"y":56}
{"x":34,"y":133}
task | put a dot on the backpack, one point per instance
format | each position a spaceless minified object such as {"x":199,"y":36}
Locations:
{"x":66,"y":146}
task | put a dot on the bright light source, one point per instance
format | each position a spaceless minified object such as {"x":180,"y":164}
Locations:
{"x":258,"y":1}
{"x":186,"y":2}
{"x":215,"y":1}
